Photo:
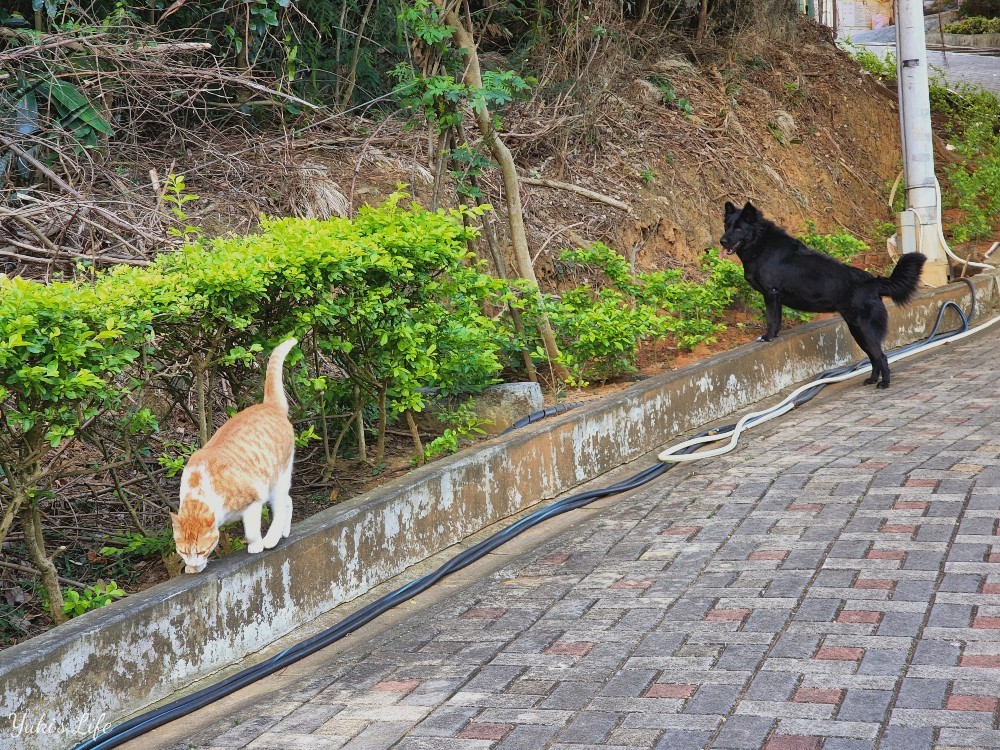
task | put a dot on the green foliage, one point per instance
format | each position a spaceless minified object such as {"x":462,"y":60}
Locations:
{"x":974,"y":25}
{"x":442,"y":98}
{"x":973,"y":185}
{"x":463,"y":424}
{"x":174,"y":456}
{"x":841,"y":245}
{"x":599,"y":331}
{"x":669,"y":96}
{"x":777,"y":132}
{"x":694,"y":308}
{"x":795,"y":93}
{"x":62,"y":348}
{"x":76,"y":603}
{"x":175,"y":195}
{"x":600,"y":325}
{"x":883,"y":68}
{"x":972,"y":113}
{"x":135,"y":544}
{"x":393,"y":297}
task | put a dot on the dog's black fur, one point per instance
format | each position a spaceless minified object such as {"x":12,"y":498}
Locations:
{"x":788,"y":273}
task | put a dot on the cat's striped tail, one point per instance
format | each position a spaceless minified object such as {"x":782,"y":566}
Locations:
{"x":274,"y":387}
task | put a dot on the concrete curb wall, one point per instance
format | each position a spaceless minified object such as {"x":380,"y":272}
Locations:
{"x":116,"y":660}
{"x":973,"y":41}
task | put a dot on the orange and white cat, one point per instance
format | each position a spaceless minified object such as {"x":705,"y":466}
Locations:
{"x":247,"y":463}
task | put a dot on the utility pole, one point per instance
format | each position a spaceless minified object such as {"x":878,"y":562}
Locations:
{"x":918,"y":227}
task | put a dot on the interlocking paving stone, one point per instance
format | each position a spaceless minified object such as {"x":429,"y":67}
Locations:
{"x":834,"y":583}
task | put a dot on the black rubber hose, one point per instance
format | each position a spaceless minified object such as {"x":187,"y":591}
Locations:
{"x":157,"y":717}
{"x":541,"y":414}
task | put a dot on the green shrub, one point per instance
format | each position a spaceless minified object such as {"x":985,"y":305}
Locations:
{"x":392,"y":298}
{"x":841,"y":245}
{"x":463,"y":424}
{"x":76,"y":603}
{"x":600,"y":325}
{"x":974,"y":25}
{"x":973,"y":185}
{"x":136,"y":544}
{"x":971,"y":114}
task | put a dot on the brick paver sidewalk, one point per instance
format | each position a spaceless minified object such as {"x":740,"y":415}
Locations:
{"x":834,"y":583}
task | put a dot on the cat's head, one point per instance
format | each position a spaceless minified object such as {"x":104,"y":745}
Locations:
{"x":195,"y":534}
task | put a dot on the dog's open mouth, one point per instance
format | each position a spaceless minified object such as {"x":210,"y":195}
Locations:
{"x":731,"y":249}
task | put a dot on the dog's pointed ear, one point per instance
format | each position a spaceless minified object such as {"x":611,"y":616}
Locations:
{"x":749,"y":212}
{"x":731,"y":209}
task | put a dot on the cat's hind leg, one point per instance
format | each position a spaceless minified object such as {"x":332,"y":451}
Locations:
{"x":251,"y":527}
{"x":281,"y":509}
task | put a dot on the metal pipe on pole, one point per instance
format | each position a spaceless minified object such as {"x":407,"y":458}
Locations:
{"x":919,"y":225}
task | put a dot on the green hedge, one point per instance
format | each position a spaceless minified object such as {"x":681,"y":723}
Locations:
{"x":384,"y":306}
{"x":974,"y":25}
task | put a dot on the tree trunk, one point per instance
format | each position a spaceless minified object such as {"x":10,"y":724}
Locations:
{"x":702,"y":22}
{"x":33,"y":540}
{"x":418,"y":445}
{"x":13,"y":507}
{"x":352,"y":74}
{"x":511,"y":184}
{"x":382,"y":419}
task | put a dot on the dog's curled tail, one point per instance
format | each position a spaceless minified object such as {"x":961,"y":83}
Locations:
{"x":902,"y":283}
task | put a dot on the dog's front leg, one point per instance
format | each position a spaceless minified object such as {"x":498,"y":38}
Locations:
{"x":772,"y":306}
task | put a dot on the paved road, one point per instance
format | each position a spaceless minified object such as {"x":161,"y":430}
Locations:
{"x":965,"y":67}
{"x":958,"y":67}
{"x":833,"y":584}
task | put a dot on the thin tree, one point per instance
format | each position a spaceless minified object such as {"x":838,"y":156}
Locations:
{"x":511,"y":184}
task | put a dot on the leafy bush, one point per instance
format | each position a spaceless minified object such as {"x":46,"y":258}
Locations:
{"x":841,"y":245}
{"x":883,"y":68}
{"x":974,"y":25}
{"x":463,"y":424}
{"x":76,"y":603}
{"x":600,"y":325}
{"x":392,"y":298}
{"x":139,"y":545}
{"x":973,"y":185}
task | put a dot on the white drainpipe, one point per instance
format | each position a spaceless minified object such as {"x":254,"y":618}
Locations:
{"x":919,"y":225}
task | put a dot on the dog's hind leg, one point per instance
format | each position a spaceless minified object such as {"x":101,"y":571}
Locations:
{"x":772,"y":309}
{"x":871,"y":344}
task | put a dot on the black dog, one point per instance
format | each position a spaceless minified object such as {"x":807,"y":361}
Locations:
{"x":788,"y":273}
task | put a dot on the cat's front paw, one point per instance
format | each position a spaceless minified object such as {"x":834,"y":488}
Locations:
{"x":254,"y":547}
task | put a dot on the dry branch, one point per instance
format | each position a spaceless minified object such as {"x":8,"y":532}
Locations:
{"x":585,"y":192}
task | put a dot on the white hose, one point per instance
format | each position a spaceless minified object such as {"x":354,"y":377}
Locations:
{"x":940,"y":229}
{"x":787,"y":404}
{"x":944,"y":243}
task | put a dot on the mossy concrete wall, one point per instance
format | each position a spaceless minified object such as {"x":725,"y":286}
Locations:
{"x":112,"y":662}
